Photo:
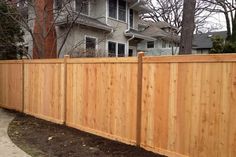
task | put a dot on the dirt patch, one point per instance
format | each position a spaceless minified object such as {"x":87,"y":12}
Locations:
{"x":40,"y":138}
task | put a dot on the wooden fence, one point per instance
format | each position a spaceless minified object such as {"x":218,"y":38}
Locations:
{"x":176,"y":106}
{"x":11,"y":85}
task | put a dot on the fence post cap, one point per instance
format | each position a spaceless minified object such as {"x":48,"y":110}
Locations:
{"x":66,"y":56}
{"x":141,"y":53}
{"x":24,"y":57}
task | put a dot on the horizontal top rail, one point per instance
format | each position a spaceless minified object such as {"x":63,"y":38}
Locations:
{"x":44,"y":61}
{"x":191,"y":59}
{"x":102,"y":60}
{"x":11,"y":62}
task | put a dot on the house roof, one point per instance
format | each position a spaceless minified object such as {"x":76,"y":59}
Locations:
{"x":85,"y":20}
{"x":163,"y":24}
{"x":138,"y":34}
{"x":203,"y":41}
{"x":141,"y":7}
{"x":156,"y":30}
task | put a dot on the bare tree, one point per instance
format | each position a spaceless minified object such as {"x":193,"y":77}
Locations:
{"x":40,"y":24}
{"x":187,"y":27}
{"x":171,"y":11}
{"x":228,"y":8}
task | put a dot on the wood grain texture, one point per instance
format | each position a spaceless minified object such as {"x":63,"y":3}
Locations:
{"x":191,"y":58}
{"x":102,"y":98}
{"x":11,"y":85}
{"x":188,"y":105}
{"x":189,"y":108}
{"x":44,"y":91}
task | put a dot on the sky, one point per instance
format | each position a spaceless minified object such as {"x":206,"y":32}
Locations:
{"x":219,"y":19}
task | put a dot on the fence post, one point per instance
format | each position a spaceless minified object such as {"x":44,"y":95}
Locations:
{"x":66,"y":57}
{"x":23,"y":83}
{"x":139,"y":99}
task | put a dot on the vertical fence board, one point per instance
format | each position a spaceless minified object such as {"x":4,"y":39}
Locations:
{"x":11,"y":85}
{"x":199,"y":98}
{"x":187,"y":104}
{"x":102,"y":98}
{"x":44,"y":90}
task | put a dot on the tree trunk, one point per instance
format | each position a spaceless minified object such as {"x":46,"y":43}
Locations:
{"x":188,"y":25}
{"x":44,"y":31}
{"x":228,"y":26}
{"x":233,"y":36}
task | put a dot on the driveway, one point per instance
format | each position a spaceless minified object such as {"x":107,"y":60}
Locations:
{"x":7,"y":148}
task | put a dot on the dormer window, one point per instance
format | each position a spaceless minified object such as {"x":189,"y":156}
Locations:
{"x":117,"y":9}
{"x":82,"y":6}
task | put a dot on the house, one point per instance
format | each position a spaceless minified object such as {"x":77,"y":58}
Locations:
{"x":103,"y":27}
{"x":166,"y":39}
{"x":109,"y":28}
{"x":202,"y":43}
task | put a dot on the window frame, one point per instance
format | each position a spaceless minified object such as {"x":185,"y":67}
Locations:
{"x":148,"y":44}
{"x":116,"y":51}
{"x":108,"y":47}
{"x":92,"y":37}
{"x":117,"y":11}
{"x":125,"y":9}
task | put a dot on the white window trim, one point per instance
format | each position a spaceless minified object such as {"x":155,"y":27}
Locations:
{"x":125,"y":53}
{"x":89,"y":8}
{"x":117,"y":11}
{"x":88,"y":36}
{"x":153,"y":44}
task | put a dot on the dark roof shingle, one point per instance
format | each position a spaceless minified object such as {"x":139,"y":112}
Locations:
{"x":203,"y":41}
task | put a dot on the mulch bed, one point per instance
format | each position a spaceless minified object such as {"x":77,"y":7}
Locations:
{"x":40,"y":138}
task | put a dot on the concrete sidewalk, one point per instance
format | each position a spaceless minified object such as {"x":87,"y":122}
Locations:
{"x":7,"y":148}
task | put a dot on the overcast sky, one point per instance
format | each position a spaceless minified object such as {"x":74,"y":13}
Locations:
{"x":219,"y":19}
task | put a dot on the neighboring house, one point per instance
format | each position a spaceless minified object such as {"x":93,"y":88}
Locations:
{"x":202,"y":43}
{"x":110,"y":28}
{"x":103,"y":28}
{"x":166,"y":39}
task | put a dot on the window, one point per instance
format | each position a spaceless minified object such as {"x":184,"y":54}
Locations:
{"x":117,"y":7}
{"x":116,"y":49}
{"x":111,"y":49}
{"x":130,"y":52}
{"x":90,"y":45}
{"x":113,"y":8}
{"x":150,"y":44}
{"x":131,"y":18}
{"x":163,"y":44}
{"x":121,"y":50}
{"x":58,"y":4}
{"x":122,"y":10}
{"x":82,"y":6}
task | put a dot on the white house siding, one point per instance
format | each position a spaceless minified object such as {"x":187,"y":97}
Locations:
{"x":118,"y":33}
{"x":200,"y":51}
{"x":136,"y":19}
{"x":157,"y":50}
{"x":76,"y":40}
{"x":98,"y":10}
